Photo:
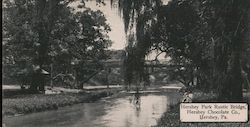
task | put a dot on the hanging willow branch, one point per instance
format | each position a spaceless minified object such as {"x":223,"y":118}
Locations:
{"x":138,"y":17}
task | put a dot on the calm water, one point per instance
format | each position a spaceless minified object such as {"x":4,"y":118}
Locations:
{"x":114,"y":112}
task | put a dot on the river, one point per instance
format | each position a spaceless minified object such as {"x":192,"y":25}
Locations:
{"x":107,"y":112}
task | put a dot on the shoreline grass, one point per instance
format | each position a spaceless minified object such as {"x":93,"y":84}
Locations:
{"x":171,"y":118}
{"x":41,"y":102}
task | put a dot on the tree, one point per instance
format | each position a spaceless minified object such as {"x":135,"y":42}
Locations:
{"x":208,"y":35}
{"x":229,"y":36}
{"x":20,"y":40}
{"x":44,"y":33}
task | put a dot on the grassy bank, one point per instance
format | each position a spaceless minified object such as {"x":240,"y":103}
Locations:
{"x":40,"y":102}
{"x":171,"y":118}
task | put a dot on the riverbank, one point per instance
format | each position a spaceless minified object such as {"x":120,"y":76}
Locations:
{"x":118,"y":110}
{"x":171,"y":118}
{"x":41,"y":102}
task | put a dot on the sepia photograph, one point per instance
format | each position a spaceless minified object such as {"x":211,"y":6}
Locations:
{"x":125,"y":63}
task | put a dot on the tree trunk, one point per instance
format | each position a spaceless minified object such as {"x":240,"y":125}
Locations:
{"x":51,"y":75}
{"x":234,"y":18}
{"x":235,"y":79}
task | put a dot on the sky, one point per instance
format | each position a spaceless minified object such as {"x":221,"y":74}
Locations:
{"x":117,"y":34}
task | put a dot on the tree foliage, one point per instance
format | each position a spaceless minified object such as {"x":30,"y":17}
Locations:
{"x":52,"y":36}
{"x":207,"y":38}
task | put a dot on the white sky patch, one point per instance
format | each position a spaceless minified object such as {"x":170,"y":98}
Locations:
{"x":153,"y":54}
{"x":165,"y":2}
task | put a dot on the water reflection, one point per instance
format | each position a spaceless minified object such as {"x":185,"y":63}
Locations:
{"x":128,"y":111}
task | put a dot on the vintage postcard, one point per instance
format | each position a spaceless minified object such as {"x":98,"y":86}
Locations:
{"x":125,"y":63}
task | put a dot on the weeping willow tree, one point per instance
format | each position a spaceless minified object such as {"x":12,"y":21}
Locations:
{"x":138,"y":16}
{"x":207,"y":35}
